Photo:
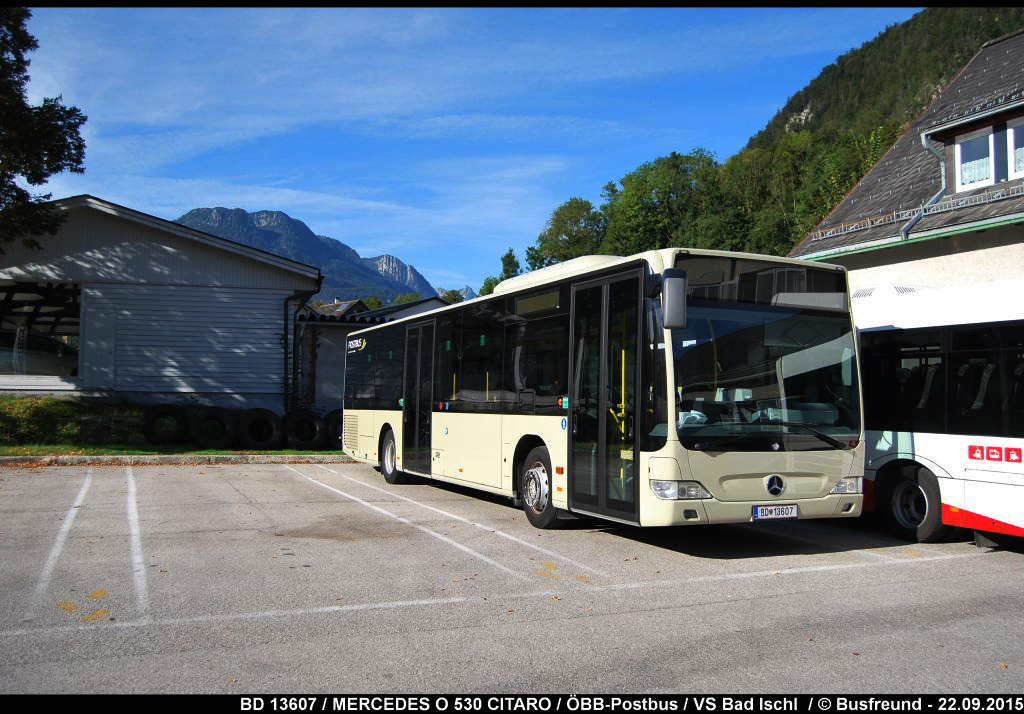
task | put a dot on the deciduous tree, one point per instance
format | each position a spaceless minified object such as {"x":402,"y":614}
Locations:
{"x":36,"y":142}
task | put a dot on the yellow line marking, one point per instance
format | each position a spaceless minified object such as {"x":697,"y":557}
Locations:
{"x":95,"y":615}
{"x":94,"y":596}
{"x":549,"y":565}
{"x":547,"y":574}
{"x":67,"y":606}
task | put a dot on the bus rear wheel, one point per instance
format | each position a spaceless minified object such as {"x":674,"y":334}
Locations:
{"x":389,"y":460}
{"x":535,"y":488}
{"x":912,"y":506}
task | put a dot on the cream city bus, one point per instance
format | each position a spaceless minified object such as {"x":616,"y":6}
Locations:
{"x":943,"y":374}
{"x":667,"y":388}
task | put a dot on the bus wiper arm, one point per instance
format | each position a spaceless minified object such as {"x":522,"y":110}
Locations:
{"x":834,"y":443}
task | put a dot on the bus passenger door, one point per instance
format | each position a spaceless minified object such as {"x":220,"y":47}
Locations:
{"x":603,"y":388}
{"x":417,"y":397}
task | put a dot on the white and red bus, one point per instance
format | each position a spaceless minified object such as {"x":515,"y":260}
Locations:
{"x":943,"y":379}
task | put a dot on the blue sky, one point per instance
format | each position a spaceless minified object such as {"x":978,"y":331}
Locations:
{"x":443,"y":137}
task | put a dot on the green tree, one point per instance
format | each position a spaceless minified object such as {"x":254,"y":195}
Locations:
{"x":490,"y":282}
{"x":407,"y":297}
{"x":35,"y":141}
{"x":451,"y":296}
{"x":657,"y":204}
{"x":574,"y":229}
{"x":373,"y":302}
{"x":509,"y":266}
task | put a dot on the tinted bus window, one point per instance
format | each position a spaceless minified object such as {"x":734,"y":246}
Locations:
{"x":537,"y":366}
{"x":446,"y":365}
{"x":904,"y":381}
{"x":480,"y":381}
{"x":389,"y":351}
{"x":654,"y":406}
{"x":359,"y":386}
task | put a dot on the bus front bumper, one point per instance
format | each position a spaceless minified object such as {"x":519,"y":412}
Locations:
{"x":705,"y":511}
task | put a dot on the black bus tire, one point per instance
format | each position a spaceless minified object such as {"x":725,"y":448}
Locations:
{"x":334,"y":422}
{"x":159,"y":436}
{"x":389,"y":460}
{"x":260,"y":430}
{"x":200,"y":435}
{"x":911,"y":506}
{"x":536,"y":490}
{"x":304,"y":430}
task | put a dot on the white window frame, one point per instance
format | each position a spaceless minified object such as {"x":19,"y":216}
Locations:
{"x":991,"y":159}
{"x":1011,"y":130}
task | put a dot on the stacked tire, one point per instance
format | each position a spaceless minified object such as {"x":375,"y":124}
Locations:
{"x":255,"y":429}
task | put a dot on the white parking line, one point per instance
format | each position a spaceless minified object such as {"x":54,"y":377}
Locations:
{"x":489,"y":529}
{"x":58,"y":546}
{"x":435,"y":534}
{"x":479,"y":599}
{"x":138,"y":563}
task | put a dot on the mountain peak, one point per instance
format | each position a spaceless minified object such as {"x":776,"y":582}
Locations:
{"x":346,"y":274}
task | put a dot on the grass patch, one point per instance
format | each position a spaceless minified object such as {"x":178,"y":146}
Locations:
{"x":134,"y":450}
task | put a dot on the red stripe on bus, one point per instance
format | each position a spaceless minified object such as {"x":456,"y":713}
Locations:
{"x":966,"y":519}
{"x":869,"y":495}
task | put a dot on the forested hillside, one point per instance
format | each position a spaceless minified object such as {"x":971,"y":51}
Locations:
{"x":794,"y":171}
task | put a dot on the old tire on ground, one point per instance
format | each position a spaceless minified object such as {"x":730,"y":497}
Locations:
{"x":304,"y":430}
{"x":535,"y":489}
{"x":156,"y":420}
{"x":334,"y":422}
{"x":260,"y":429}
{"x":911,"y":505}
{"x":212,"y":428}
{"x":389,"y":460}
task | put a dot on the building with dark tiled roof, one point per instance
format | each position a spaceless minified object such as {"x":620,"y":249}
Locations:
{"x":945,"y":205}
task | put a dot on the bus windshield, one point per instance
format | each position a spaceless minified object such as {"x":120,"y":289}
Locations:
{"x":767,"y":359}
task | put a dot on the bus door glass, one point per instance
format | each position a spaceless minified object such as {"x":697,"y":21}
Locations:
{"x":603,"y":397}
{"x":417,"y":397}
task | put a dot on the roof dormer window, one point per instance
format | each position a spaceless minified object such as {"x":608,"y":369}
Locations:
{"x":974,"y":153}
{"x":1015,"y":143}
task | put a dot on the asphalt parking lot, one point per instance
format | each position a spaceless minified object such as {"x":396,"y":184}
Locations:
{"x":314,"y":578}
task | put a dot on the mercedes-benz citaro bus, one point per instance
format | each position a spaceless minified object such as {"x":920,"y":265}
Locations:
{"x":673,"y":387}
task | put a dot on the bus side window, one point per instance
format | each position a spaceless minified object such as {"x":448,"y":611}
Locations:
{"x":445,"y":362}
{"x":480,"y":382}
{"x":537,"y":365}
{"x":980,"y":382}
{"x":389,"y":351}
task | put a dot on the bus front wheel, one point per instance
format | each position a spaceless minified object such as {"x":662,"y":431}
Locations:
{"x":389,"y":461}
{"x":535,"y":488}
{"x":912,"y":506}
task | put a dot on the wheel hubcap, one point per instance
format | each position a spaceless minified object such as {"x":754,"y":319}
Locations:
{"x":389,"y":457}
{"x":909,"y":505}
{"x":535,"y":487}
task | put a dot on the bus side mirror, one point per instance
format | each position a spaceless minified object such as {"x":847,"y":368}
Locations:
{"x":673,"y":298}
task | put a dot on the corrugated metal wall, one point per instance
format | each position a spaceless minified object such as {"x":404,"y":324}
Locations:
{"x":170,"y":338}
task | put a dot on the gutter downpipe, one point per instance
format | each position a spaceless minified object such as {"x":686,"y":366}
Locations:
{"x":304,"y":295}
{"x":905,"y":230}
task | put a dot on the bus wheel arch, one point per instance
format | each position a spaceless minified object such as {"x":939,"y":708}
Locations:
{"x":536,"y":489}
{"x":909,"y":502}
{"x":387,"y":457}
{"x":526,"y":444}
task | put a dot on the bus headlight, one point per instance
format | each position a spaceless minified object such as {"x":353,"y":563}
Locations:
{"x":847,"y":485}
{"x":679,"y":490}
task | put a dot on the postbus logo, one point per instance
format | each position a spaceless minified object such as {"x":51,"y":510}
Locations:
{"x":357,"y":345}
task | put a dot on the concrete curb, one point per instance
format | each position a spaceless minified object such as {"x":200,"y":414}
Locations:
{"x":176,"y":460}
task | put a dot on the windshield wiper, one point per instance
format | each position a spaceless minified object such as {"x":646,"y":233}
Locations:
{"x":834,"y":443}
